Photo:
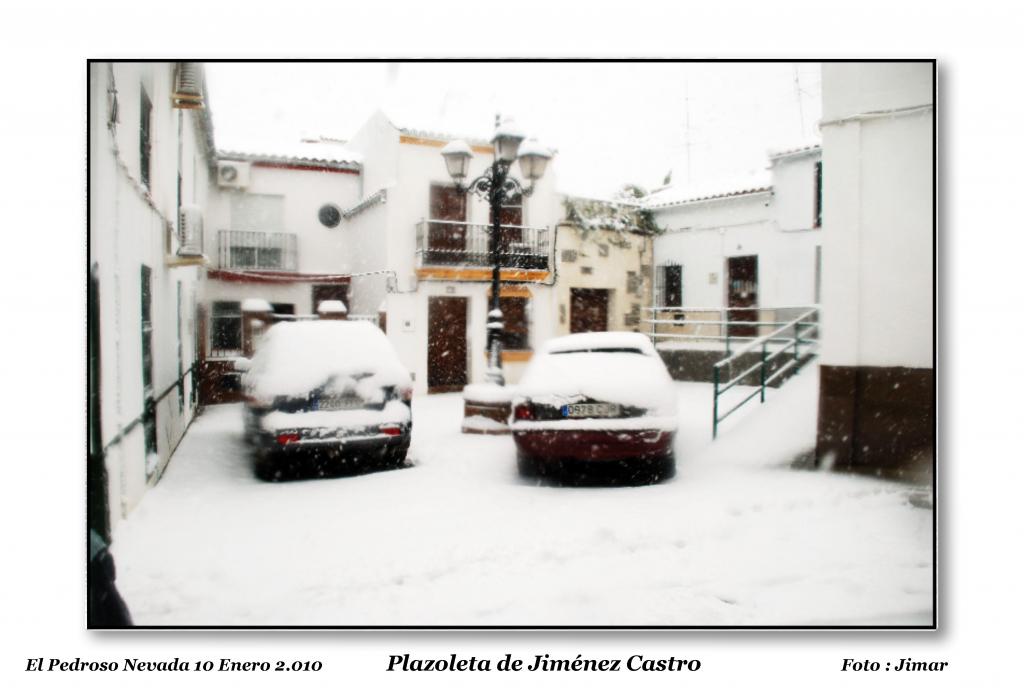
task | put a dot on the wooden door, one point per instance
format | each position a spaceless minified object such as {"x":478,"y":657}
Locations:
{"x":742,"y":293}
{"x":511,"y":220}
{"x":446,"y":344}
{"x":588,"y":310}
{"x":446,"y":242}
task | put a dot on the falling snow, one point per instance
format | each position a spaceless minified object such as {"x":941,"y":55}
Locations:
{"x":738,"y":537}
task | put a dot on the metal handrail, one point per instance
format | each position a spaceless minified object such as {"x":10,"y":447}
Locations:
{"x":662,"y":321}
{"x":775,"y":333}
{"x":731,"y":308}
{"x":803,"y":321}
{"x":531,"y":250}
{"x":725,"y":326}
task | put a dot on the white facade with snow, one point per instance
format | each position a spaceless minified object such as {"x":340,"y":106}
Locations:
{"x":877,"y":410}
{"x":754,"y":244}
{"x":432,"y":244}
{"x":278,"y":230}
{"x":151,"y":156}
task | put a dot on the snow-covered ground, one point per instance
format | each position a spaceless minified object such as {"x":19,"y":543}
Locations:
{"x":736,"y":538}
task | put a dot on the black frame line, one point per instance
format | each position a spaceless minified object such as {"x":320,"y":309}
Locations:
{"x":578,"y":60}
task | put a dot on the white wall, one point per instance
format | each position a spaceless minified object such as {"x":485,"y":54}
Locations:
{"x":320,"y":249}
{"x":859,"y":87}
{"x":132,"y":226}
{"x":367,"y":237}
{"x":878,"y":217}
{"x":793,"y":181}
{"x":408,"y":170}
{"x":703,"y":236}
{"x":777,"y":227}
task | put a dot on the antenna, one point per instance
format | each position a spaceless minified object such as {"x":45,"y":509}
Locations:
{"x":687,"y":140}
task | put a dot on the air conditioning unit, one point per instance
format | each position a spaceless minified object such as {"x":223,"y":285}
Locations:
{"x":190,"y":231}
{"x":232,"y":174}
{"x":188,"y":86}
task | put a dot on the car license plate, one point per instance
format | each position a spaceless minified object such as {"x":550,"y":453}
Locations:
{"x":591,"y":410}
{"x":336,"y":403}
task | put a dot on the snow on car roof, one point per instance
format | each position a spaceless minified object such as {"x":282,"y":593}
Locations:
{"x":608,"y":340}
{"x":601,"y":367}
{"x":298,"y":356}
{"x":332,"y":306}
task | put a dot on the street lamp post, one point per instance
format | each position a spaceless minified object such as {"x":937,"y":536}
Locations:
{"x":495,"y":186}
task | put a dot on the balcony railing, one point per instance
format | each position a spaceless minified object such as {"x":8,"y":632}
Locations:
{"x":453,"y":243}
{"x":241,"y":250}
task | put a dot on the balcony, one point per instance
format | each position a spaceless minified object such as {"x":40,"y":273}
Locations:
{"x":453,"y":243}
{"x":239,"y":250}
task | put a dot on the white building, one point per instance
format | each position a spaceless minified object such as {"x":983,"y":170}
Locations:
{"x":431,"y":241}
{"x":750,"y":244}
{"x":877,"y":406}
{"x":280,"y":229}
{"x":151,"y":156}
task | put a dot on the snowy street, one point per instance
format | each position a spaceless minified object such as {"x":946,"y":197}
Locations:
{"x":738,"y":537}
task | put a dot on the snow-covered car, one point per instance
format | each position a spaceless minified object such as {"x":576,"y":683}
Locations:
{"x":596,"y":406}
{"x":326,"y":395}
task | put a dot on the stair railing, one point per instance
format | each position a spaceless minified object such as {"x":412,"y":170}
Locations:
{"x":803,"y":327}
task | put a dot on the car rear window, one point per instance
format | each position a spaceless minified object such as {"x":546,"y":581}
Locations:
{"x":601,"y":350}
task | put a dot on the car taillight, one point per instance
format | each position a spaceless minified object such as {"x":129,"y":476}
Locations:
{"x":391,"y":429}
{"x":285,"y":438}
{"x":523,"y":411}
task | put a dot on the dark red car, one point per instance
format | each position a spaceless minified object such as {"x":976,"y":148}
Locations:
{"x":596,"y":406}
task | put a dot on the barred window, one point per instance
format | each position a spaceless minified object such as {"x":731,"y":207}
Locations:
{"x":668,"y":287}
{"x":515,"y":314}
{"x":145,"y":136}
{"x":225,"y":328}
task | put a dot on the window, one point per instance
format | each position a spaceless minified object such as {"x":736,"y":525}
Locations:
{"x":149,"y":411}
{"x":147,"y":328}
{"x":669,"y":285}
{"x":446,"y":239}
{"x":145,"y":134}
{"x":511,"y":218}
{"x":226,"y":328}
{"x":817,"y":194}
{"x":511,"y":211}
{"x":181,"y":356}
{"x":569,"y":255}
{"x":268,"y":257}
{"x":515,"y":314}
